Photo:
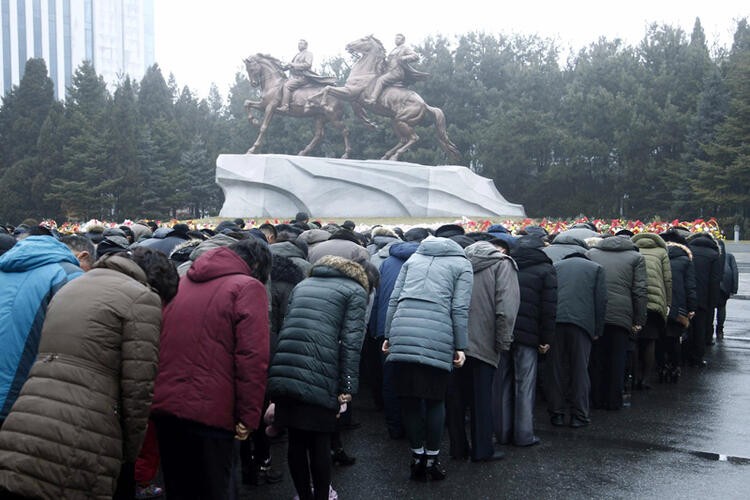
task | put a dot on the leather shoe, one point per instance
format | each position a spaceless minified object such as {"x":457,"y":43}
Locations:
{"x":558,"y":420}
{"x":577,"y":423}
{"x":498,"y":455}
{"x":533,"y":442}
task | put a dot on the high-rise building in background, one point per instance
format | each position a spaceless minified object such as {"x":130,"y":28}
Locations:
{"x":117,"y":36}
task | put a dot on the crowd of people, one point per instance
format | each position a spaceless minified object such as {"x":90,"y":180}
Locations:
{"x":130,"y":349}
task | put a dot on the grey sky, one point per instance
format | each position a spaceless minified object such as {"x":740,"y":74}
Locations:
{"x":203,"y":42}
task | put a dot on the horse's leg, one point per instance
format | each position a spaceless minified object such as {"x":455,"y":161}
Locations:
{"x":442,"y":134}
{"x":406,"y":131}
{"x":263,"y":126}
{"x":335,"y":119}
{"x":401,"y":141}
{"x":317,"y":137}
{"x":360,"y":113}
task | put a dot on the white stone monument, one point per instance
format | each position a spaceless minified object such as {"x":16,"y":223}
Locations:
{"x":281,"y":185}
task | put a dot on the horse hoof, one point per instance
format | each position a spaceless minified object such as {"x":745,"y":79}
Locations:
{"x":345,"y":156}
{"x":302,"y":153}
{"x":251,"y":151}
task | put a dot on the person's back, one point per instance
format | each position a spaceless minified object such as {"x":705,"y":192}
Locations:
{"x":30,"y":274}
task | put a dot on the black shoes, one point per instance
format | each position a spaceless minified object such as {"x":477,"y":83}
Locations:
{"x":341,"y":458}
{"x":418,"y":467}
{"x":557,"y":419}
{"x":578,"y":422}
{"x":434,"y":469}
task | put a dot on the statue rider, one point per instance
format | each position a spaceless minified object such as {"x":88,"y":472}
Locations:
{"x":299,"y":71}
{"x":397,"y":69}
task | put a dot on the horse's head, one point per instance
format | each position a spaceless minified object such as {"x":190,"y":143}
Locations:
{"x":261,"y":66}
{"x":365,"y":45}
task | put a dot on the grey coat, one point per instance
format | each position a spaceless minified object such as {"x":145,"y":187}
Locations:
{"x":566,"y":243}
{"x":495,"y":298}
{"x":427,"y":317}
{"x":625,"y":270}
{"x":581,"y":293}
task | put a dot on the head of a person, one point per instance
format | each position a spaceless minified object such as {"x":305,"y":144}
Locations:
{"x":160,"y":272}
{"x":270,"y":231}
{"x":6,"y":242}
{"x":302,"y":44}
{"x":256,"y":255}
{"x":302,"y":217}
{"x":240,"y":222}
{"x":82,"y":248}
{"x":400,"y":39}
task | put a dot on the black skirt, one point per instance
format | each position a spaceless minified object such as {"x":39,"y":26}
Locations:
{"x":414,"y":380}
{"x":304,"y":416}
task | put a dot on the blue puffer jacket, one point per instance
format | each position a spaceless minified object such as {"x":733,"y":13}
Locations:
{"x":30,"y":274}
{"x":389,"y":270}
{"x":428,"y":313}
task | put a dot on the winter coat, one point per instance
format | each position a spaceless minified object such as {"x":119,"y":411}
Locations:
{"x":427,"y":318}
{"x":164,"y":240}
{"x":389,"y":271}
{"x":381,"y":240}
{"x":84,"y":409}
{"x":495,"y":298}
{"x":314,"y":236}
{"x":658,"y":272}
{"x":581,"y":293}
{"x":730,"y":277}
{"x":340,"y":248}
{"x":684,"y":295}
{"x":31,"y":273}
{"x":566,"y":243}
{"x":317,"y":357}
{"x":708,"y":271}
{"x":293,"y":252}
{"x":382,"y":254}
{"x":537,"y":281}
{"x":215,"y":345}
{"x":625,"y":271}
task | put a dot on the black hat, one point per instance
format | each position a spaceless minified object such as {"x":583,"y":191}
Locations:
{"x":448,"y":230}
{"x":462,"y":240}
{"x":625,"y":232}
{"x":112,"y":244}
{"x":301,"y":217}
{"x":416,"y":234}
{"x":6,"y":242}
{"x":348,"y":224}
{"x":671,"y":235}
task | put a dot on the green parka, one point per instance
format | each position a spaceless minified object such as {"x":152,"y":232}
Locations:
{"x":658,"y":272}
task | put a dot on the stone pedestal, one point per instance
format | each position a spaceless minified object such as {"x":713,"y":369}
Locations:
{"x":281,"y":186}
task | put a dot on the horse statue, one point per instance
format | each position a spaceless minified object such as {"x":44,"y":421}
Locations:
{"x":266,"y":72}
{"x":403,"y":106}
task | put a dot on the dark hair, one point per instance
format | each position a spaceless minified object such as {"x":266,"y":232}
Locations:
{"x":240,"y":223}
{"x":160,"y":272}
{"x":79,"y":243}
{"x":256,"y":255}
{"x":40,"y":231}
{"x":128,"y":233}
{"x":268,"y":228}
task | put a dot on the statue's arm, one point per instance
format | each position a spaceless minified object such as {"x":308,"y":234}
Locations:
{"x":304,"y":63}
{"x":408,"y":55}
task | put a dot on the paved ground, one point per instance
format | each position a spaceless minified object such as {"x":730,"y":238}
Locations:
{"x":689,"y":440}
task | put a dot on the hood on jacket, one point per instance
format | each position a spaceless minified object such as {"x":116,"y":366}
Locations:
{"x":218,"y":241}
{"x":648,"y":240}
{"x":678,"y":250}
{"x":123,"y":265}
{"x":530,"y":241}
{"x":580,"y":233}
{"x":484,"y":254}
{"x":313,"y":236}
{"x":498,"y":228}
{"x":403,"y":251}
{"x":616,"y":244}
{"x":384,"y":231}
{"x":33,"y":252}
{"x":573,"y":237}
{"x":284,"y":270}
{"x":577,"y":252}
{"x":289,"y":249}
{"x":440,"y":247}
{"x":529,"y":256}
{"x":217,"y":263}
{"x":184,"y":250}
{"x":702,"y":240}
{"x":342,"y":266}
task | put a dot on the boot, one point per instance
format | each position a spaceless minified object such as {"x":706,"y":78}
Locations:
{"x":418,"y":467}
{"x":435,"y":470}
{"x":286,"y":96}
{"x":341,"y":458}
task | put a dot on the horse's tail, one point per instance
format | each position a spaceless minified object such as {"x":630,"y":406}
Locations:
{"x":442,"y":133}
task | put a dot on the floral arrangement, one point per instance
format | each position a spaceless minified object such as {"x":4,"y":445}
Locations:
{"x":611,"y":226}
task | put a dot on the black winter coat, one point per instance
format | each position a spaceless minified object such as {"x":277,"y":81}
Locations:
{"x":317,"y":357}
{"x":684,"y":298}
{"x":285,"y":275}
{"x":708,"y":271}
{"x":537,"y":280}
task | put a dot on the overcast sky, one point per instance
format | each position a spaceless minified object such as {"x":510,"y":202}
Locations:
{"x":203,"y":42}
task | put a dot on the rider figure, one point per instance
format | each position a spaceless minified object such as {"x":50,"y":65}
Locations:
{"x":299,"y":70}
{"x":397,"y":68}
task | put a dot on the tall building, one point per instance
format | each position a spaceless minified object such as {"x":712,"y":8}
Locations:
{"x":117,"y":36}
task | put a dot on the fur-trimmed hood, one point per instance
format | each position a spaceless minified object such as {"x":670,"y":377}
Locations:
{"x":676,"y":249}
{"x":329,"y":264}
{"x":283,"y":269}
{"x":648,"y":240}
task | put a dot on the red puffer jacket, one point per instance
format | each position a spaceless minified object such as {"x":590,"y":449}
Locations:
{"x":213,"y":358}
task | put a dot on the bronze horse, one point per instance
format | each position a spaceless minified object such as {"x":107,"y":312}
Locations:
{"x":266,"y":72}
{"x":403,"y":106}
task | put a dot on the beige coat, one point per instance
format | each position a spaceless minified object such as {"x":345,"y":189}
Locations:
{"x":84,"y":408}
